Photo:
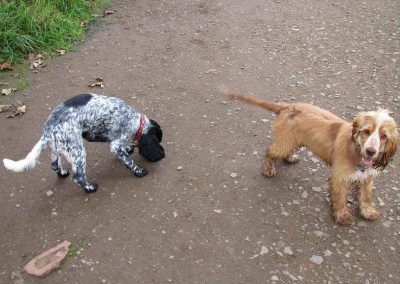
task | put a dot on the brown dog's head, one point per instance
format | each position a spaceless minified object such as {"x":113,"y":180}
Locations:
{"x":375,"y":135}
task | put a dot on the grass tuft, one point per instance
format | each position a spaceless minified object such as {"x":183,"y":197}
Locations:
{"x":33,"y":26}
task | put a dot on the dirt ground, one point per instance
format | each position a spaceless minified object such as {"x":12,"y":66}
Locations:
{"x":205,"y":214}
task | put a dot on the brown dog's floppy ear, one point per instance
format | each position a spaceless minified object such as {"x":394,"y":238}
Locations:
{"x":356,"y":125}
{"x":387,"y":155}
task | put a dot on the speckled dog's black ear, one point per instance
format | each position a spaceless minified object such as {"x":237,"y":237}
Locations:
{"x":149,"y":144}
{"x":156,"y":130}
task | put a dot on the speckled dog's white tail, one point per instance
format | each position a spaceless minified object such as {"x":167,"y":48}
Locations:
{"x":30,"y":161}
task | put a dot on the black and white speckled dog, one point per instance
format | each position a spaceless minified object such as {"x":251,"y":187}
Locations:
{"x":97,"y":119}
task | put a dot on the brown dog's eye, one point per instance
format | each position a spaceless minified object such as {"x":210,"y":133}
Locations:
{"x":383,"y":136}
{"x":366,"y":131}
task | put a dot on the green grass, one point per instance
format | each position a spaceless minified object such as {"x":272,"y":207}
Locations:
{"x":21,"y":84}
{"x":32,"y":26}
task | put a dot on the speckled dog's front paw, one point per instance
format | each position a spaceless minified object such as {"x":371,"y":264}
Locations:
{"x":90,"y":188}
{"x":139,"y":172}
{"x":62,"y":173}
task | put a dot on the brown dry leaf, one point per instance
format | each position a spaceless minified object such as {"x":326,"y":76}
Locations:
{"x":84,"y":23}
{"x":108,"y":12}
{"x":5,"y":108}
{"x":6,"y":66}
{"x":99,"y":83}
{"x":17,"y":108}
{"x":7,"y":92}
{"x":36,"y":61}
{"x":61,"y":51}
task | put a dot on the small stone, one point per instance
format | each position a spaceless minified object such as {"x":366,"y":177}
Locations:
{"x":316,"y":259}
{"x":316,"y":188}
{"x":54,"y":213}
{"x":318,"y":233}
{"x":327,"y":253}
{"x":314,"y":160}
{"x":274,"y":278}
{"x":179,"y":168}
{"x":264,"y":250}
{"x":233,"y":175}
{"x":288,"y":251}
{"x":218,"y":210}
{"x":49,"y":193}
{"x":359,"y":108}
{"x":304,"y":194}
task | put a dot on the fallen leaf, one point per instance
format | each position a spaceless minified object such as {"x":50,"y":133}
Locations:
{"x":108,"y":12}
{"x":6,"y":66}
{"x":7,"y":92}
{"x":4,"y":108}
{"x":99,"y":83}
{"x":84,"y":23}
{"x":17,"y":108}
{"x":61,"y":51}
{"x":36,"y":61}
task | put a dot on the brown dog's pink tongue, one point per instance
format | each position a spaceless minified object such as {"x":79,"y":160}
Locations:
{"x":367,"y":161}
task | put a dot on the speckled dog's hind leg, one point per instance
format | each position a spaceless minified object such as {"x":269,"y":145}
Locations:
{"x":56,"y":165}
{"x":77,"y":157}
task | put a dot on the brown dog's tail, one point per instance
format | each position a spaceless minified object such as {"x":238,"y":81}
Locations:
{"x":275,"y":107}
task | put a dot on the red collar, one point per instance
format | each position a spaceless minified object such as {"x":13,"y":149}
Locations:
{"x":140,"y":130}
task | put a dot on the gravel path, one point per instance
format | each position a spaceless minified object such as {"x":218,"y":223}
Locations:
{"x":205,"y":214}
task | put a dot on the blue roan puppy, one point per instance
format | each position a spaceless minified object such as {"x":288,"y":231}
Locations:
{"x":97,"y":119}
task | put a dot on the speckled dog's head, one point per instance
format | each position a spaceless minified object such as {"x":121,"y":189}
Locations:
{"x":149,"y":143}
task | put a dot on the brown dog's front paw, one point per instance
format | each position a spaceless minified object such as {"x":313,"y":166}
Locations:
{"x":343,"y":217}
{"x":369,"y":213}
{"x":269,"y":171}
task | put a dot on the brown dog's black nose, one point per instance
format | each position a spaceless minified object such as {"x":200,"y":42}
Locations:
{"x":370,"y":152}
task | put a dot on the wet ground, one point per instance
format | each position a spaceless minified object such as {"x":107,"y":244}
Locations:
{"x":205,"y":214}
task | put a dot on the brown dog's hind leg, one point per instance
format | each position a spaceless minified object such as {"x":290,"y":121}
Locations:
{"x":278,"y":150}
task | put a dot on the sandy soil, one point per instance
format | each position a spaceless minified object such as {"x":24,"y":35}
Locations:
{"x":205,"y":214}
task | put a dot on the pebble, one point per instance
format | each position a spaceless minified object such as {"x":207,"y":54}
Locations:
{"x":274,"y":278}
{"x":233,"y":175}
{"x":49,"y":193}
{"x":179,"y":168}
{"x":316,"y":259}
{"x":304,"y":194}
{"x":288,"y":251}
{"x":387,"y":224}
{"x":327,"y":253}
{"x":264,"y":250}
{"x":318,"y":233}
{"x":316,"y":188}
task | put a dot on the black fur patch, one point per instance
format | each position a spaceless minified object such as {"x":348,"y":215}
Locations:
{"x":79,"y":100}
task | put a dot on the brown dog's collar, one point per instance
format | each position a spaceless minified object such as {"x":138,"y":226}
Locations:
{"x":140,"y":130}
